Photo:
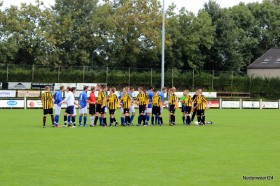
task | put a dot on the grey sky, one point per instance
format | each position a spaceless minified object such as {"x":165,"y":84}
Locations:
{"x":191,"y":5}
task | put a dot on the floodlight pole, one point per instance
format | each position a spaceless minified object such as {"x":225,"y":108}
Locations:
{"x":163,"y":44}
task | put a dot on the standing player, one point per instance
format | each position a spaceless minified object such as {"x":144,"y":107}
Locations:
{"x":92,"y":102}
{"x":188,"y":107}
{"x":47,"y":103}
{"x":67,"y":117}
{"x":126,"y":101}
{"x":57,"y":99}
{"x":132,"y":109}
{"x":194,"y":106}
{"x":201,"y":104}
{"x":142,"y":100}
{"x":113,"y":102}
{"x":100,"y":107}
{"x":149,"y":109}
{"x":183,"y":106}
{"x":70,"y":101}
{"x":105,"y":90}
{"x":156,"y":113}
{"x":162,"y":95}
{"x":172,"y":106}
{"x":83,"y":107}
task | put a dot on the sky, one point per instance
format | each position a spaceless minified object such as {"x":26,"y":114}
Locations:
{"x":191,"y":5}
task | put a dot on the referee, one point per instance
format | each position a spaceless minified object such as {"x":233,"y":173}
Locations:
{"x":47,"y":103}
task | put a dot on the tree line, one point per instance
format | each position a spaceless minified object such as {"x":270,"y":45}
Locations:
{"x":127,"y":33}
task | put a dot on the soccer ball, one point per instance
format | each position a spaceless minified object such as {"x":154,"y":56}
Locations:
{"x":196,"y":123}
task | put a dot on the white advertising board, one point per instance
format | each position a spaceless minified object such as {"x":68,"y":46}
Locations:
{"x":251,"y":104}
{"x":230,"y":104}
{"x":34,"y":104}
{"x":57,"y":85}
{"x":11,"y":103}
{"x":270,"y":105}
{"x":7,"y":93}
{"x":19,"y":85}
{"x":80,"y":86}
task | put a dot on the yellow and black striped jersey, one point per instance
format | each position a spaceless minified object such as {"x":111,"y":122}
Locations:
{"x":113,"y":101}
{"x":156,"y":100}
{"x":100,"y":98}
{"x":126,"y":100}
{"x":201,"y":102}
{"x":173,"y":99}
{"x":188,"y":101}
{"x":47,"y":100}
{"x":142,"y":98}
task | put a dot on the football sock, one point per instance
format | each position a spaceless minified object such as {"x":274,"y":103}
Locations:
{"x":69,"y":118}
{"x":157,"y":119}
{"x":153,"y":119}
{"x":199,"y":119}
{"x":85,"y":120}
{"x":131,"y":118}
{"x":203,"y":119}
{"x":122,"y":120}
{"x":189,"y":120}
{"x":80,"y":120}
{"x":52,"y":118}
{"x":101,"y":121}
{"x":91,"y":120}
{"x":139,"y":119}
{"x":183,"y":118}
{"x":111,"y":121}
{"x":105,"y":121}
{"x":193,"y":116}
{"x":95,"y":120}
{"x":65,"y":120}
{"x":44,"y":120}
{"x":160,"y":120}
{"x":74,"y":120}
{"x":148,"y":118}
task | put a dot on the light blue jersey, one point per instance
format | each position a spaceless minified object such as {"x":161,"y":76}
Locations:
{"x":161,"y":94}
{"x":57,"y":97}
{"x":150,"y":96}
{"x":83,"y":99}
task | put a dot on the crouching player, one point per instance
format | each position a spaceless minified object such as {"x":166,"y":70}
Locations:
{"x":126,"y":101}
{"x":201,"y":104}
{"x":142,"y":100}
{"x":188,"y":106}
{"x":156,"y":110}
{"x":113,"y":102}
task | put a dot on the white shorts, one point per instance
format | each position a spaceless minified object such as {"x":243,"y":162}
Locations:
{"x":149,"y":110}
{"x":132,"y":109}
{"x":83,"y":110}
{"x":57,"y":109}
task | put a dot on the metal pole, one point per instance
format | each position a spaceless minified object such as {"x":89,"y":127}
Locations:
{"x":84,"y":68}
{"x":163,"y":44}
{"x":7,"y":77}
{"x":172,"y":77}
{"x":58,"y":73}
{"x":193,"y":80}
{"x":213,"y":75}
{"x":107,"y":73}
{"x":129,"y":76}
{"x":33,"y":71}
{"x":231,"y":80}
{"x":151,"y":76}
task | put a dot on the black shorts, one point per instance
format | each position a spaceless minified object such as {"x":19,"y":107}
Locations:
{"x":100,"y":109}
{"x":142,"y":109}
{"x":188,"y":110}
{"x":91,"y":109}
{"x":48,"y":111}
{"x":200,"y":112}
{"x":126,"y":110}
{"x":156,"y":110}
{"x":172,"y":109}
{"x":112,"y":111}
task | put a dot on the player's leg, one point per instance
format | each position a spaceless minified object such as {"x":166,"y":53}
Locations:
{"x":80,"y":117}
{"x":104,"y":116}
{"x":193,"y":115}
{"x":148,"y":113}
{"x":203,"y":117}
{"x":127,"y":117}
{"x":188,"y":118}
{"x":122,"y":117}
{"x":198,"y":113}
{"x":52,"y":117}
{"x":132,"y":112}
{"x":183,"y":110}
{"x":45,"y":113}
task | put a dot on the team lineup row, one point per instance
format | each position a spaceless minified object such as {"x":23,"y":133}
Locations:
{"x":151,"y":104}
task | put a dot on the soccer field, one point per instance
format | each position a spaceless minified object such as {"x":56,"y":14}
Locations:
{"x":240,"y":143}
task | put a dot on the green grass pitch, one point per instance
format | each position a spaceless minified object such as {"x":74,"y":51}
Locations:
{"x":240,"y":143}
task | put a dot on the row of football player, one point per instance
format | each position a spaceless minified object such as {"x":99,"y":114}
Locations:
{"x":150,"y":103}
